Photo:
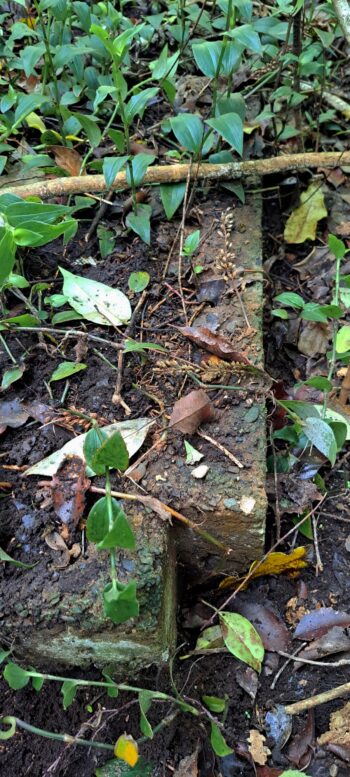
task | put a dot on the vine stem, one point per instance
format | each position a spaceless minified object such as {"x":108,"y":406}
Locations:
{"x":179,"y":172}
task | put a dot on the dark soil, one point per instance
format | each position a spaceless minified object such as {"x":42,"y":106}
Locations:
{"x":211,"y":674}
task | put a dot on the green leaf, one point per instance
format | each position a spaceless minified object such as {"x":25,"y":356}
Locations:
{"x":138,"y":281}
{"x":236,"y":188}
{"x":280,"y":313}
{"x":112,"y":452}
{"x":217,"y":741}
{"x":37,"y":683}
{"x":172,"y":195}
{"x":192,"y":455}
{"x":5,"y":557}
{"x":7,"y":254}
{"x":93,"y":440}
{"x":120,"y":602}
{"x":132,"y":345}
{"x":246,"y":36}
{"x":27,"y":104}
{"x":145,"y":700}
{"x":26,"y":319}
{"x":305,"y":528}
{"x":25,"y":237}
{"x":303,"y":409}
{"x":138,"y":102}
{"x":188,"y":130}
{"x":342,"y":342}
{"x":140,"y":163}
{"x":192,"y":242}
{"x":111,"y":167}
{"x":65,"y":369}
{"x":66,"y":315}
{"x":337,"y":247}
{"x":4,"y":654}
{"x":96,"y":301}
{"x":242,"y":639}
{"x":230,"y":127}
{"x":214,"y":703}
{"x":30,"y":56}
{"x":10,"y":721}
{"x":340,"y":430}
{"x":11,"y":375}
{"x":115,"y":768}
{"x":121,"y":534}
{"x":118,"y":138}
{"x":290,"y":298}
{"x":97,"y":523}
{"x":312,"y":311}
{"x":320,"y":383}
{"x":90,"y":127}
{"x":293,"y":773}
{"x":140,"y":222}
{"x":68,"y":690}
{"x":322,"y":437}
{"x":302,"y":223}
{"x":211,"y":55}
{"x":15,"y":676}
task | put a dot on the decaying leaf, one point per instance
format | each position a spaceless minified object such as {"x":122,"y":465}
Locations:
{"x":302,"y":223}
{"x":336,"y":640}
{"x":203,"y":337}
{"x":300,"y":748}
{"x":257,"y":748}
{"x":68,"y":159}
{"x":275,"y":564}
{"x":268,"y":771}
{"x":273,"y":632}
{"x":247,"y":678}
{"x":319,"y":622}
{"x":69,"y":486}
{"x":133,"y":432}
{"x":314,"y":338}
{"x":126,"y":748}
{"x":188,"y":766}
{"x":191,"y":411}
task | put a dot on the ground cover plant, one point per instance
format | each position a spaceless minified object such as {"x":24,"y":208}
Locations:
{"x":131,"y":137}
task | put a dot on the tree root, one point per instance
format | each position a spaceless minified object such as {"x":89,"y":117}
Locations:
{"x":173,"y":173}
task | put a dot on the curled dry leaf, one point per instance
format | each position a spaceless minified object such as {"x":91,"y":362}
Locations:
{"x":191,"y":411}
{"x":257,"y":747}
{"x":318,"y":622}
{"x":220,"y":346}
{"x":68,"y":159}
{"x":69,"y":486}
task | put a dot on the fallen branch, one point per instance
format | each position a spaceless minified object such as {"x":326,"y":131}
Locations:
{"x":174,"y":173}
{"x":314,"y":701}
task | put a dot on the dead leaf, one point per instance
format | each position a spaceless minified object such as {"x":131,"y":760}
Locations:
{"x":314,"y":338}
{"x":302,"y":223}
{"x":270,"y":627}
{"x":268,"y":771}
{"x":275,"y":564}
{"x":191,"y":411}
{"x":12,"y":413}
{"x":336,"y":640}
{"x":220,"y":346}
{"x":300,"y":749}
{"x":319,"y":622}
{"x":257,"y":747}
{"x":137,"y":147}
{"x":68,"y":159}
{"x":188,"y":766}
{"x":247,"y":678}
{"x":69,"y":485}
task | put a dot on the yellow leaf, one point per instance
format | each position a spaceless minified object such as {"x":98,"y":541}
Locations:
{"x":34,"y":121}
{"x":126,"y":748}
{"x":302,"y":223}
{"x":275,"y":564}
{"x":30,"y":21}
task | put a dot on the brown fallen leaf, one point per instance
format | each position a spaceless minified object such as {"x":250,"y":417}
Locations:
{"x":300,"y":749}
{"x":220,"y":346}
{"x":191,"y":411}
{"x":257,"y":748}
{"x":270,"y":627}
{"x":336,"y":640}
{"x":318,"y":622}
{"x":69,"y":485}
{"x":268,"y":771}
{"x":68,"y":159}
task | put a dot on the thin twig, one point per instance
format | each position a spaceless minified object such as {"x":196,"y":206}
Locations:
{"x":284,"y":666}
{"x":117,"y":398}
{"x":221,"y":448}
{"x":182,"y":232}
{"x":76,"y":333}
{"x":300,"y":660}
{"x":319,"y":565}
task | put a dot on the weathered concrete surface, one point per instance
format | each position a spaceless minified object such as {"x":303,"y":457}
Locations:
{"x":230,"y":502}
{"x":59,"y":618}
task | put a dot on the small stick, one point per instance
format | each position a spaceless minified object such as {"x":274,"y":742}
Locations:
{"x":67,"y":333}
{"x":320,"y":698}
{"x":284,"y":666}
{"x":182,"y":231}
{"x":221,"y":448}
{"x":300,"y":660}
{"x":99,"y":215}
{"x":319,"y":565}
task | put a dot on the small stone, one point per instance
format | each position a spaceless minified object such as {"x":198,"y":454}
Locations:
{"x":247,"y":504}
{"x":200,"y":472}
